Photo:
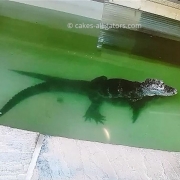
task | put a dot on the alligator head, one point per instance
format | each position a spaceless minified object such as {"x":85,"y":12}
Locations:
{"x":155,"y":87}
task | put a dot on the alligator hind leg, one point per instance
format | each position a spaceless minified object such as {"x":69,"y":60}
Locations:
{"x":93,"y":112}
{"x":138,"y":106}
{"x":136,"y":113}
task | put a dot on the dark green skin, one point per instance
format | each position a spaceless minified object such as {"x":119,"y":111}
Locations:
{"x":98,"y":90}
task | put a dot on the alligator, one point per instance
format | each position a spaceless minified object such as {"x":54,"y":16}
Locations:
{"x":134,"y":93}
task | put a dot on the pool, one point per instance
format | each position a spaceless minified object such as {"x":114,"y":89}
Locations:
{"x":34,"y":47}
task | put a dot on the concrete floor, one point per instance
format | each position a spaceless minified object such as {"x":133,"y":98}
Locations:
{"x":31,"y":156}
{"x":16,"y":150}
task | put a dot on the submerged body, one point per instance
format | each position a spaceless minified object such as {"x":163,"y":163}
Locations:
{"x":100,"y":89}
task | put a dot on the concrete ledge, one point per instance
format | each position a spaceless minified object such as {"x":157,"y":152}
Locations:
{"x":170,"y":3}
{"x":16,"y":150}
{"x":30,"y":156}
{"x":62,"y":158}
{"x":151,"y":7}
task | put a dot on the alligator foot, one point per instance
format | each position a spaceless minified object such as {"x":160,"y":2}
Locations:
{"x":135,"y":115}
{"x":139,"y":105}
{"x":93,"y":113}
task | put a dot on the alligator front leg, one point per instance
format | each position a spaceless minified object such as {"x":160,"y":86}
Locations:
{"x":93,"y":112}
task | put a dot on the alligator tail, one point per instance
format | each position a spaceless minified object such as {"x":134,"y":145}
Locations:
{"x":24,"y":94}
{"x":36,"y":75}
{"x":62,"y":85}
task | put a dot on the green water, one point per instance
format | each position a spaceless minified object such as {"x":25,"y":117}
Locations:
{"x":36,"y":48}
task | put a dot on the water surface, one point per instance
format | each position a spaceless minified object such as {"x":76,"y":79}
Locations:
{"x":36,"y":48}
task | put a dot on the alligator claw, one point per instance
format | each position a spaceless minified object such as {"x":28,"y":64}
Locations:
{"x":95,"y":116}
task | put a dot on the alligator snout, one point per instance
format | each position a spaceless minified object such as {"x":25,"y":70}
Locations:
{"x":171,"y":91}
{"x":175,"y":91}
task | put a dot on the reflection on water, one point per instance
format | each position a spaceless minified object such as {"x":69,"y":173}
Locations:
{"x":61,"y":113}
{"x":107,"y":133}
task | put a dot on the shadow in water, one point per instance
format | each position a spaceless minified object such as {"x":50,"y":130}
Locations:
{"x":142,"y":44}
{"x":139,"y":106}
